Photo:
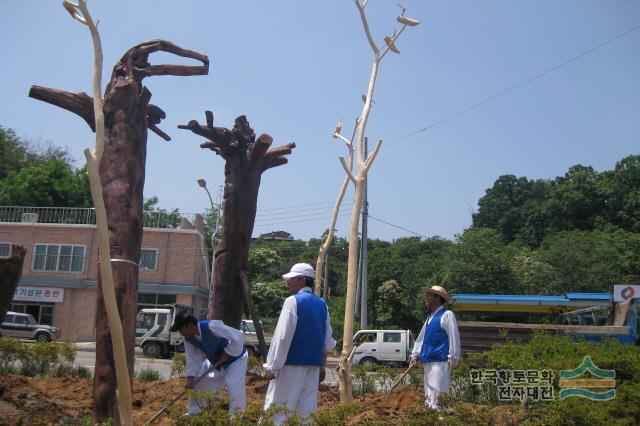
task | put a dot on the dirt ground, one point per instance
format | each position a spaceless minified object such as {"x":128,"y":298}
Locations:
{"x":27,"y":401}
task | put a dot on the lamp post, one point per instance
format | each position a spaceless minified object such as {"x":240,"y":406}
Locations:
{"x":214,"y":207}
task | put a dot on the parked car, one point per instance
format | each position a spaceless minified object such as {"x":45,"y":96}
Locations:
{"x":24,"y":326}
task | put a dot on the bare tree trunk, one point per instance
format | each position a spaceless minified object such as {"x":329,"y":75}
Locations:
{"x":246,"y":158}
{"x":10,"y":273}
{"x":128,"y":114}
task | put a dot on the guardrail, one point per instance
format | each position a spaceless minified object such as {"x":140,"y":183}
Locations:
{"x":85,"y":216}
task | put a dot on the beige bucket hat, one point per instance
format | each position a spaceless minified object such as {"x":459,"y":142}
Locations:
{"x":436,"y":289}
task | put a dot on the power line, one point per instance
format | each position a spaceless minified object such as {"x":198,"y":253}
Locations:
{"x":512,"y":88}
{"x":299,"y":221}
{"x":324,"y":209}
{"x":397,"y":226}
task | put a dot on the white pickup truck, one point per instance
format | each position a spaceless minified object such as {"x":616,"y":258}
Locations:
{"x":382,"y":346}
{"x":251,"y":337}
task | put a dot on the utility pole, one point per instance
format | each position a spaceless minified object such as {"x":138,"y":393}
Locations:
{"x":364,"y":255}
{"x":214,"y":233}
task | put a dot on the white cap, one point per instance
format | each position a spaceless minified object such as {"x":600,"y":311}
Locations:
{"x":299,"y":270}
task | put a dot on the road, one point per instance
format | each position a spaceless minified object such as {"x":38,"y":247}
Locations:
{"x":163,"y":366}
{"x":87,"y":359}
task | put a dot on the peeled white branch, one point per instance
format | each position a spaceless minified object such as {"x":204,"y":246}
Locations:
{"x":93,"y":167}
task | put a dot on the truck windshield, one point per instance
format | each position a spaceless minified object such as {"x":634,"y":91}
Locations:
{"x":145,"y":320}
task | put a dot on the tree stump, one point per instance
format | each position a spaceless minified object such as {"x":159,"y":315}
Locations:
{"x":246,"y":158}
{"x":10,"y":273}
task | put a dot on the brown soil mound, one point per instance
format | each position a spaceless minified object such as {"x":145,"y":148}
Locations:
{"x":26,"y":400}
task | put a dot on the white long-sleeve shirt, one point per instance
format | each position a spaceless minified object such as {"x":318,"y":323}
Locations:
{"x":449,"y":324}
{"x":282,"y":336}
{"x":195,"y":356}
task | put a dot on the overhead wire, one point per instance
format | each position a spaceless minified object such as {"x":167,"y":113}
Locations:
{"x":512,"y":88}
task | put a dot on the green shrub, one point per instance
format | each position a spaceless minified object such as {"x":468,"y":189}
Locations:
{"x":149,"y":375}
{"x":178,"y":364}
{"x":9,"y":350}
{"x":337,"y":415}
{"x":37,"y":359}
{"x":254,"y":365}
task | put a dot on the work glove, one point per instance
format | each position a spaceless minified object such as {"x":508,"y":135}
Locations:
{"x":323,"y":374}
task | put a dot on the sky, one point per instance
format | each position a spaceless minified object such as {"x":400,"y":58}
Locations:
{"x":480,"y":89}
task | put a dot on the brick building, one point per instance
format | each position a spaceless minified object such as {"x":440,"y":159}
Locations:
{"x":59,"y":276}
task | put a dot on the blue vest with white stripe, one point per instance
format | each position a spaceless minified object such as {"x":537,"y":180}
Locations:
{"x":211,"y":345}
{"x":307,"y":345}
{"x":435,"y":346}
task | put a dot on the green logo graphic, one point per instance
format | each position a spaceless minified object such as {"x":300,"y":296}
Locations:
{"x":572,"y":385}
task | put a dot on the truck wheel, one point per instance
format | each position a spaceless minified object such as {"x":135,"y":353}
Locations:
{"x":43,"y":337}
{"x":152,"y":350}
{"x":368,"y":361}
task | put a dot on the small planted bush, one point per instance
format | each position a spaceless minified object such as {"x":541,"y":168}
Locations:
{"x":149,"y":375}
{"x":178,"y":364}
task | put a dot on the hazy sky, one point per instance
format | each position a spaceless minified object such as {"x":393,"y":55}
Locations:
{"x":523,"y":87}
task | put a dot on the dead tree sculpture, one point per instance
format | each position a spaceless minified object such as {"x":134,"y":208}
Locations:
{"x":128,"y":114}
{"x":246,"y":158}
{"x":10,"y":274}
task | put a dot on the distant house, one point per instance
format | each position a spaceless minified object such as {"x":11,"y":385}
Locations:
{"x":276,"y":236}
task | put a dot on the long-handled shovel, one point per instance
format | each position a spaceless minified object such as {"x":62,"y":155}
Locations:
{"x":173,"y":401}
{"x":399,"y":379}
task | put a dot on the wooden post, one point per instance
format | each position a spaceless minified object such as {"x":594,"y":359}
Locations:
{"x":10,"y":273}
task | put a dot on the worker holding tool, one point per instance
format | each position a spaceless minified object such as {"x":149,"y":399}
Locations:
{"x":299,"y":346}
{"x":216,"y":352}
{"x":437,"y":346}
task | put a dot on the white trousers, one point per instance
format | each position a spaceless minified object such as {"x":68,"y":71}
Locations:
{"x":437,"y":377}
{"x":233,"y":378}
{"x":296,"y":388}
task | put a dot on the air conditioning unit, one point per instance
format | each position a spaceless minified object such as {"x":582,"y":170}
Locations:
{"x":29,"y":218}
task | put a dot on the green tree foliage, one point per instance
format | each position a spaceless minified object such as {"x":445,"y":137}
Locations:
{"x":264,"y":265}
{"x":527,"y":211}
{"x":39,"y":176}
{"x":480,"y":262}
{"x":388,"y":303}
{"x":49,"y":183}
{"x":513,"y":206}
{"x":156,"y":217}
{"x":588,"y":261}
{"x":268,"y":298}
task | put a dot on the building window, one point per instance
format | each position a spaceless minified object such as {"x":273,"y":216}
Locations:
{"x":5,"y":249}
{"x":155,"y":300}
{"x":148,"y":259}
{"x":58,"y":257}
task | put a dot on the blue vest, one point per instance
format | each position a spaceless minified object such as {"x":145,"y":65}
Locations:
{"x":211,"y":345}
{"x":307,"y":345}
{"x":435,"y":346}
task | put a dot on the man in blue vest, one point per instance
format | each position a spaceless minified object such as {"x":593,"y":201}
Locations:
{"x":206,"y":344}
{"x":298,"y":348}
{"x":437,"y":346}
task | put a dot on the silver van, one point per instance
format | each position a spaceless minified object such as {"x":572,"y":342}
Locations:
{"x":24,"y":326}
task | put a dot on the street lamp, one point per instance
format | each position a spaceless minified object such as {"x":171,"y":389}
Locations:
{"x":203,"y":184}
